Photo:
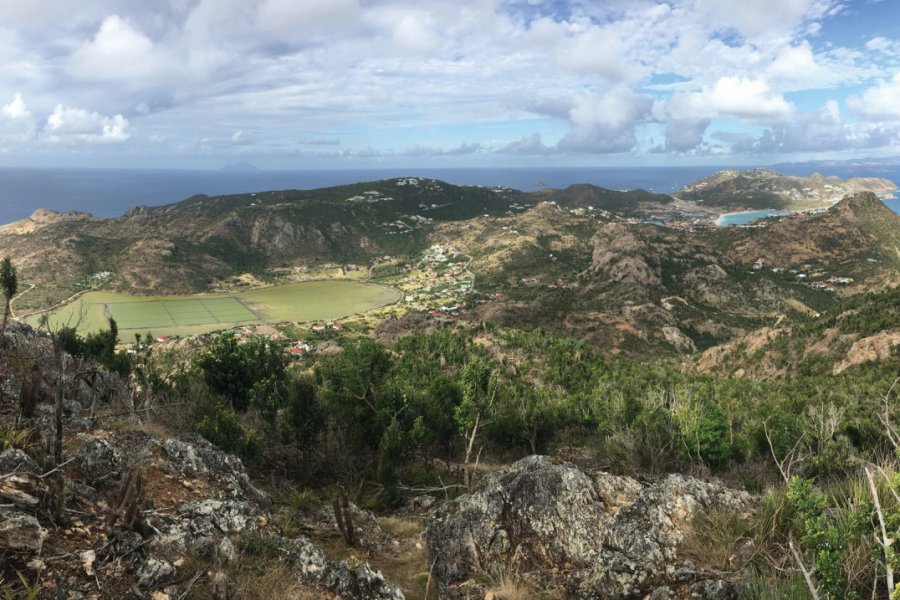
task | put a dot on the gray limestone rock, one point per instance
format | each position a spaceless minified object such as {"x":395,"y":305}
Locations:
{"x":603,"y":536}
{"x":99,"y":461}
{"x":537,"y":512}
{"x":14,"y":460}
{"x":20,"y":533}
{"x":193,"y":456}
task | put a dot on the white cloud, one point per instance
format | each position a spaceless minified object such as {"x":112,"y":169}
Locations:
{"x":750,"y":99}
{"x":683,"y":135}
{"x":295,"y":71}
{"x":296,"y":18}
{"x":242,"y":138}
{"x":413,"y":33}
{"x":880,"y":102}
{"x":766,"y":18}
{"x":16,"y":121}
{"x":528,"y":144}
{"x":118,"y":52}
{"x":79,"y":125}
{"x":884,"y":45}
{"x":605,"y":123}
{"x":595,"y":52}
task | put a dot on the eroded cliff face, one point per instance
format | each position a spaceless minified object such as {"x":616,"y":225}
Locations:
{"x":594,"y":534}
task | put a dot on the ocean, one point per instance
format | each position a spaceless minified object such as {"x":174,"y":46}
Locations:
{"x":111,"y":192}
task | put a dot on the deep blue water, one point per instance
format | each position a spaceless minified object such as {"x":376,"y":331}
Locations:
{"x":109,"y":193}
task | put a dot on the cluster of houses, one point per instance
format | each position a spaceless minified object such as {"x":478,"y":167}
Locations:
{"x":802,"y":275}
{"x":437,"y":281}
{"x":93,"y":281}
{"x":672,"y":216}
{"x":369,"y":197}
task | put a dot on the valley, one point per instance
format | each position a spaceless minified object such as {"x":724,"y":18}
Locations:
{"x":479,"y":392}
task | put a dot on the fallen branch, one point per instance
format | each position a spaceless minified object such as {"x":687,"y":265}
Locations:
{"x":57,"y":468}
{"x":806,"y":575}
{"x":885,"y":541}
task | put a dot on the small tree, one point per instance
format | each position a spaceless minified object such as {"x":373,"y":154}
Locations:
{"x":9,"y":285}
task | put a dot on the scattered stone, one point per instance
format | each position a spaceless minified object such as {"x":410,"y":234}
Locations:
{"x":153,"y":572}
{"x":536,"y":512}
{"x":25,"y":490}
{"x":714,"y":589}
{"x":193,"y":457}
{"x":312,"y":567}
{"x":20,"y":533}
{"x":99,"y":461}
{"x":14,"y":460}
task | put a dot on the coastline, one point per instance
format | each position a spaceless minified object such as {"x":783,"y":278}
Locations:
{"x":763,"y":214}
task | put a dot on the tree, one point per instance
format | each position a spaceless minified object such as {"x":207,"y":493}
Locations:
{"x":233,"y":369}
{"x":9,"y":285}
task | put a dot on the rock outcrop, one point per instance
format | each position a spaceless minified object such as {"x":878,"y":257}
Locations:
{"x":600,"y":536}
{"x":147,"y":507}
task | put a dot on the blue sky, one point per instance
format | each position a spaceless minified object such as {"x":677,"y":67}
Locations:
{"x":368,"y":83}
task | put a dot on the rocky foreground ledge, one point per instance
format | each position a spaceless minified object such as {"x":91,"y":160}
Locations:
{"x":593,"y":535}
{"x":139,"y":509}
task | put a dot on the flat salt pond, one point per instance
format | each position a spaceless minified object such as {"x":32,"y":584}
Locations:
{"x":185,"y":315}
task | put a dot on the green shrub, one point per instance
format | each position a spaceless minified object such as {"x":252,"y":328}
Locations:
{"x":223,"y":428}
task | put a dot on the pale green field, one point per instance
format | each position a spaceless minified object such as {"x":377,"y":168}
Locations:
{"x":186,"y":315}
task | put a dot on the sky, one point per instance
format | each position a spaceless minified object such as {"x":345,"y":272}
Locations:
{"x":295,"y":84}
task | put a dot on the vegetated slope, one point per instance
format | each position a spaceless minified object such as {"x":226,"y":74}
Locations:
{"x":758,"y":189}
{"x":641,"y":288}
{"x":585,"y":195}
{"x":624,"y":287}
{"x":858,"y":238}
{"x":182,"y":247}
{"x":865,"y":328}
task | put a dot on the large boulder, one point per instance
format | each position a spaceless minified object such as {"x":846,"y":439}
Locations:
{"x":537,"y":512}
{"x":641,"y":541}
{"x":602,"y":536}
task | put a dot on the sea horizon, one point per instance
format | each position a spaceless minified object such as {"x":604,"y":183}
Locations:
{"x":109,"y":193}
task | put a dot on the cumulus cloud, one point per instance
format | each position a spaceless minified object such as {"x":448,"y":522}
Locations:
{"x":683,"y":135}
{"x":16,"y":121}
{"x":79,"y":125}
{"x":309,"y":72}
{"x":242,"y":138}
{"x":750,"y":99}
{"x":527,"y":144}
{"x":606,"y":123}
{"x":881,"y":101}
{"x":118,"y":52}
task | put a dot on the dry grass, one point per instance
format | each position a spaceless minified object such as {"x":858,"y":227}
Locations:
{"x":509,"y":589}
{"x":400,"y":527}
{"x":277,"y":582}
{"x":716,"y":541}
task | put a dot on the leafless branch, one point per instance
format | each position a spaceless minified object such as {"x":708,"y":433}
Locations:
{"x":885,"y":541}
{"x":806,"y":574}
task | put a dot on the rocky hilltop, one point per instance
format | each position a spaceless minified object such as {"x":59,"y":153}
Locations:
{"x":757,"y":189}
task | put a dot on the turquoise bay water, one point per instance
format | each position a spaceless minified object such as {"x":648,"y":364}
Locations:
{"x":743,"y":218}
